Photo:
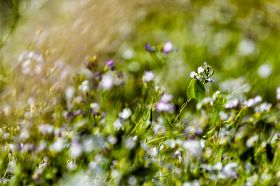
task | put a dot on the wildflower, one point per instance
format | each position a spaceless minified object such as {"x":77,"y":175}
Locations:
{"x":194,"y":147}
{"x":118,"y":124}
{"x":148,"y":76}
{"x":32,"y":63}
{"x":264,"y":70}
{"x":128,"y":54}
{"x":233,"y":103}
{"x":278,"y":93}
{"x":253,"y":101}
{"x":167,"y":47}
{"x":132,"y":180}
{"x":69,"y":93}
{"x":164,"y":104}
{"x":75,"y":149}
{"x":58,"y":145}
{"x":46,"y":129}
{"x":110,"y":64}
{"x":149,"y":48}
{"x":95,"y":107}
{"x":88,"y":145}
{"x":246,"y":47}
{"x":107,"y":81}
{"x":229,"y":171}
{"x":6,"y":109}
{"x":264,"y":107}
{"x":252,"y":180}
{"x":84,"y":87}
{"x":125,"y":114}
{"x":112,"y":139}
{"x":200,"y":70}
{"x":252,"y":141}
{"x":192,"y":183}
{"x":71,"y":165}
{"x":193,"y":74}
{"x":153,"y":152}
{"x":129,"y":143}
{"x":204,"y":74}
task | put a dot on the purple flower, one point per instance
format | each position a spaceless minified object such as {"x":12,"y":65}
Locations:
{"x":149,"y":48}
{"x":167,"y":47}
{"x":110,"y":64}
{"x":164,"y":104}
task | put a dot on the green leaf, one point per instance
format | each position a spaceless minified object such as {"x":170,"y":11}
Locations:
{"x":196,"y":90}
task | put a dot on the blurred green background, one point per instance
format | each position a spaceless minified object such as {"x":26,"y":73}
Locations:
{"x":238,"y":38}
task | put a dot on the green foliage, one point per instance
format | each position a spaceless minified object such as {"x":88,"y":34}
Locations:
{"x":196,"y":90}
{"x":132,"y":123}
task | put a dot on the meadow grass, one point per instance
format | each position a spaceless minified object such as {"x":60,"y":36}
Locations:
{"x":148,"y":110}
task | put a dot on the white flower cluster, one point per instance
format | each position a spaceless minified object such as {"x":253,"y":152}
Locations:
{"x":253,"y":101}
{"x":204,"y":74}
{"x":31,"y":63}
{"x":148,"y":76}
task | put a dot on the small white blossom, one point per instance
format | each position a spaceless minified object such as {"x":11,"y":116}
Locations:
{"x":200,"y":70}
{"x":69,"y":93}
{"x":252,"y":141}
{"x":264,"y":70}
{"x":76,"y":149}
{"x":167,"y":47}
{"x":128,"y":54}
{"x":107,"y":81}
{"x":278,"y":93}
{"x":246,"y":47}
{"x":253,"y":101}
{"x":194,"y":147}
{"x":125,"y":114}
{"x":229,"y":171}
{"x":84,"y":87}
{"x":95,"y":107}
{"x":58,"y":145}
{"x":148,"y":76}
{"x":193,"y":74}
{"x":118,"y":124}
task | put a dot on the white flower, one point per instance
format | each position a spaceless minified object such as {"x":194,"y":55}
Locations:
{"x":125,"y":114}
{"x":118,"y":124}
{"x":252,"y":141}
{"x":129,"y":143}
{"x":229,"y":170}
{"x":193,"y":74}
{"x":112,"y":139}
{"x":232,"y":103}
{"x":95,"y":107}
{"x":69,"y":93}
{"x":164,"y":107}
{"x":194,"y":147}
{"x":84,"y":87}
{"x":128,"y":54}
{"x":278,"y":93}
{"x":46,"y":129}
{"x":148,"y":76}
{"x":107,"y":82}
{"x":253,"y":101}
{"x":153,"y":152}
{"x":75,"y":149}
{"x":264,"y":107}
{"x":58,"y":145}
{"x":264,"y":70}
{"x":167,"y":47}
{"x":246,"y":47}
{"x":200,"y":70}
